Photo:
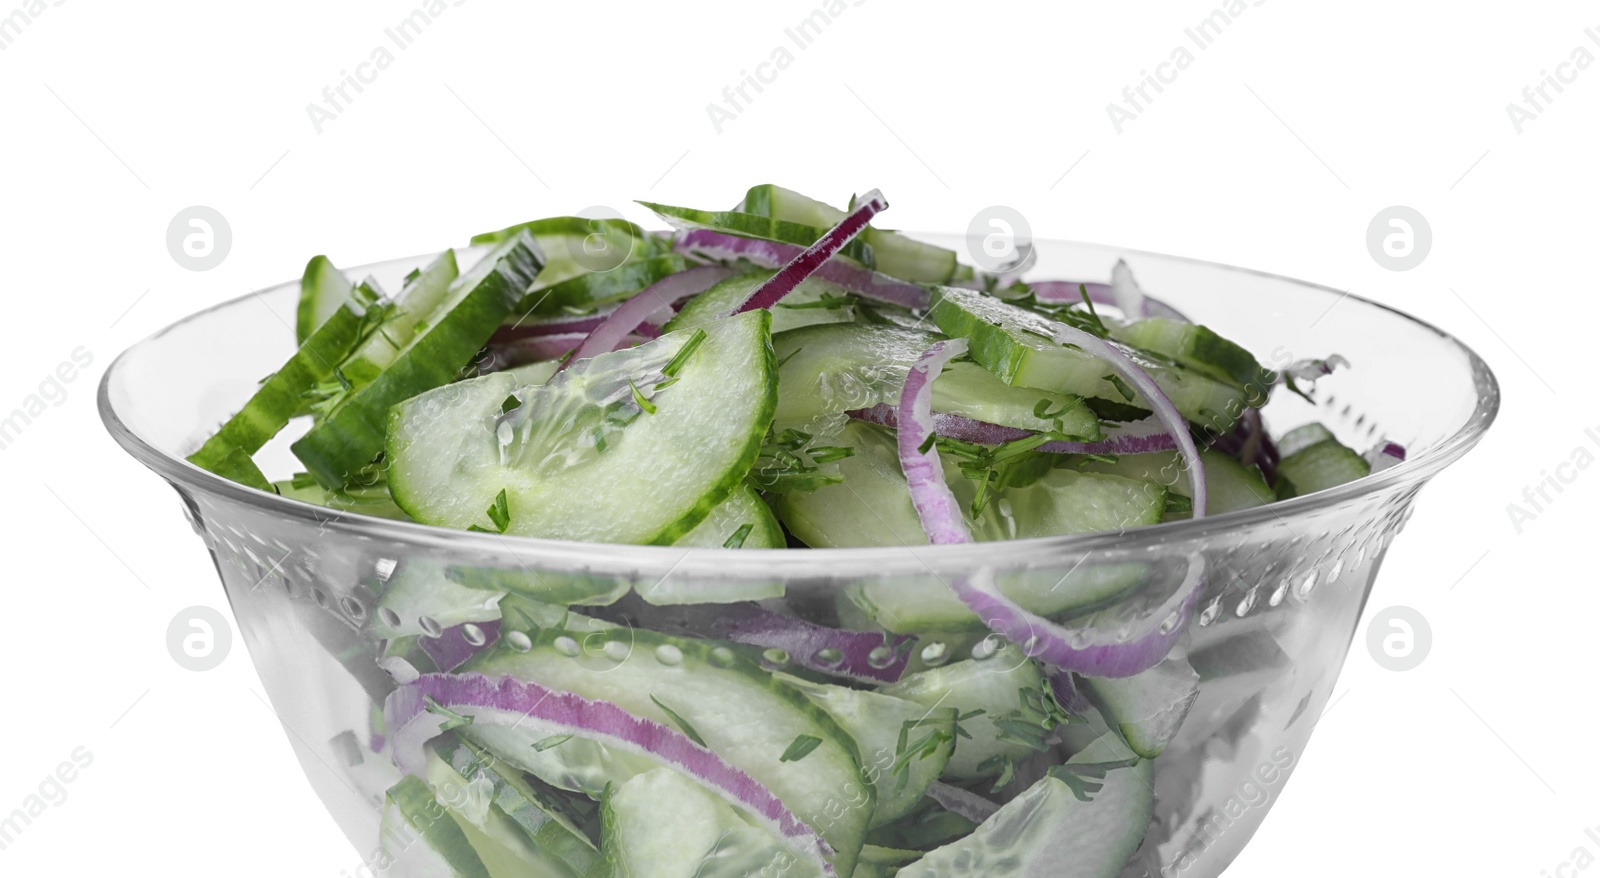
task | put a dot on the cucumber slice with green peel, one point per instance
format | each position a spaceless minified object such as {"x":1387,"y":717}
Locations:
{"x":1149,"y":707}
{"x":323,"y":289}
{"x":872,"y":506}
{"x":994,"y":685}
{"x":237,"y":466}
{"x":593,"y":290}
{"x":409,"y":314}
{"x":832,"y":369}
{"x":612,"y":449}
{"x":743,"y":521}
{"x":576,"y":245}
{"x":337,"y":450}
{"x":1198,"y":348}
{"x":1303,"y":436}
{"x":411,"y":814}
{"x":924,"y":829}
{"x":1019,"y":347}
{"x":419,"y":599}
{"x":542,"y":821}
{"x":1317,"y":467}
{"x":373,"y":500}
{"x":504,"y":849}
{"x":283,"y":394}
{"x":749,"y":225}
{"x":896,"y":255}
{"x":1230,"y":485}
{"x":900,"y":772}
{"x":1050,"y":830}
{"x":661,"y":824}
{"x":814,"y":301}
{"x":709,"y":693}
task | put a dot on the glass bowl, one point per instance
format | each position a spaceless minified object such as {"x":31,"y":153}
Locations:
{"x":1263,"y":603}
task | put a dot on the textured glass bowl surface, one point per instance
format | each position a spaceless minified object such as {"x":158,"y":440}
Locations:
{"x":1282,"y":593}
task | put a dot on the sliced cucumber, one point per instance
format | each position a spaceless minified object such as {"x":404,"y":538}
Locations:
{"x":576,"y":245}
{"x":1149,"y":707}
{"x":545,"y":821}
{"x":582,"y":457}
{"x":504,"y":849}
{"x":1303,"y":436}
{"x":1200,"y":349}
{"x":831,"y":369}
{"x":419,"y":599}
{"x":749,"y":225}
{"x":1319,"y":466}
{"x":1050,"y":830}
{"x":323,"y":288}
{"x":1229,"y":484}
{"x":412,"y":814}
{"x":1017,"y":345}
{"x":371,"y":500}
{"x":351,"y":436}
{"x":282,"y":395}
{"x":713,"y":691}
{"x":743,"y":521}
{"x":993,"y":685}
{"x":596,"y":289}
{"x":872,"y":507}
{"x":416,"y":304}
{"x":895,"y":254}
{"x":664,"y":825}
{"x":876,"y":721}
{"x":814,"y":301}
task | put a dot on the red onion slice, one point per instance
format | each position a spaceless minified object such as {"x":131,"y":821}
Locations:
{"x":455,"y":645}
{"x":511,"y":702}
{"x":936,"y":505}
{"x":631,"y":314}
{"x":1123,"y":293}
{"x":859,"y":655}
{"x":540,"y":348}
{"x":812,"y":258}
{"x":959,"y":801}
{"x":1160,"y":405}
{"x":772,"y":254}
{"x":1143,"y":644}
{"x":1385,"y":455}
{"x":1145,"y":436}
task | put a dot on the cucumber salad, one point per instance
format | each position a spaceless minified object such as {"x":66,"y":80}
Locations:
{"x":781,"y":376}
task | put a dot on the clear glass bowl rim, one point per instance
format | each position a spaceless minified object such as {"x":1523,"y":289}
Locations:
{"x":800,"y":563}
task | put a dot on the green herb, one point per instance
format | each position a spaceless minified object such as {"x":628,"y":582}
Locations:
{"x":500,"y":512}
{"x":1121,"y":386}
{"x":800,"y":749}
{"x":600,"y":440}
{"x":739,"y":536}
{"x":638,"y":399}
{"x":786,"y":357}
{"x":684,"y":353}
{"x":1177,"y":504}
{"x":452,"y":719}
{"x":1084,"y":778}
{"x":680,"y":722}
{"x":927,"y":444}
{"x":827,"y":453}
{"x":828,"y":302}
{"x":1002,"y":767}
{"x":412,"y":276}
{"x":551,"y":742}
{"x":509,"y":403}
{"x":1093,"y":318}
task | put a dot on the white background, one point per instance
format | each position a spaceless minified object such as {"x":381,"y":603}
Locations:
{"x":1273,"y":150}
